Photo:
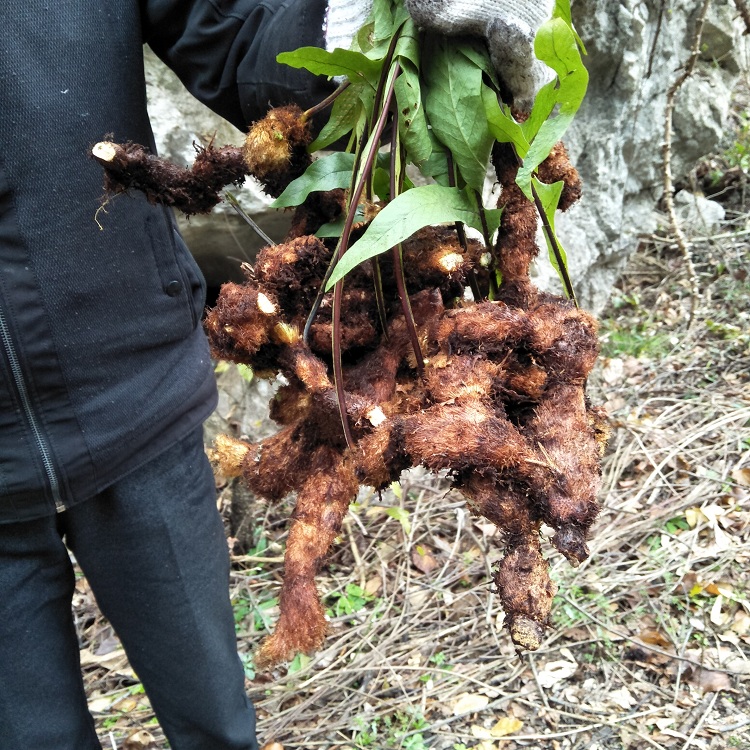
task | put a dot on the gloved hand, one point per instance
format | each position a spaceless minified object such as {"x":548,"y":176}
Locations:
{"x":508,"y":26}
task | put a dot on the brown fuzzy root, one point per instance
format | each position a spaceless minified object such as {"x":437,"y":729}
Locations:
{"x":241,"y":323}
{"x":499,"y":501}
{"x":321,"y":506}
{"x":193,"y":191}
{"x":229,"y":455}
{"x":526,"y":593}
{"x":498,"y":402}
{"x":275,"y":149}
{"x":566,"y":441}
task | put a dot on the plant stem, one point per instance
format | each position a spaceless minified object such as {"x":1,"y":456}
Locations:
{"x":398,"y":260}
{"x":343,"y":246}
{"x":476,"y":292}
{"x":550,"y":234}
{"x":330,"y":99}
{"x":682,"y":242}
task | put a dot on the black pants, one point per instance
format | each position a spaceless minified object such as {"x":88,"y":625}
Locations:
{"x":154,"y":552}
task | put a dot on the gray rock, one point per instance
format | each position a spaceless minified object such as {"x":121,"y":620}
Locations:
{"x":616,"y":138}
{"x":615,"y":141}
{"x":696,"y":214}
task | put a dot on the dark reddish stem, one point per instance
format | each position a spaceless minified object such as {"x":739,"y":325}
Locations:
{"x":338,"y":289}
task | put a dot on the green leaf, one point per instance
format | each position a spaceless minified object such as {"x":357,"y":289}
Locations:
{"x":562,"y":10}
{"x":381,"y":182}
{"x":407,"y":214}
{"x":502,"y":125}
{"x":402,"y":516}
{"x":299,"y":662}
{"x":327,"y":173}
{"x":544,"y":103}
{"x":335,"y":228}
{"x":412,"y":122}
{"x":455,"y":107}
{"x":341,"y":62}
{"x":549,"y":195}
{"x":555,"y":44}
{"x":436,"y":167}
{"x":346,"y":112}
{"x":374,"y":37}
{"x":407,"y":46}
{"x":382,"y":19}
{"x":477,"y":52}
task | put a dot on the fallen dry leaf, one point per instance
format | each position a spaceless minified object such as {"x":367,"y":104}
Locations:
{"x":717,"y":616}
{"x":273,"y":746}
{"x":742,"y":476}
{"x":100,"y":705}
{"x":139,"y":740}
{"x":423,"y":559}
{"x":709,"y":681}
{"x":505,"y":726}
{"x":557,"y":671}
{"x":470,"y":703}
{"x":622,"y":697}
{"x":741,"y":624}
{"x":372,"y":587}
{"x":654,"y":637}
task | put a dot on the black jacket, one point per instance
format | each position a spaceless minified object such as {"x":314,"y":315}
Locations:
{"x":103,"y":362}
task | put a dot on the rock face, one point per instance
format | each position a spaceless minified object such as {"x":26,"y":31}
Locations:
{"x":635,"y":51}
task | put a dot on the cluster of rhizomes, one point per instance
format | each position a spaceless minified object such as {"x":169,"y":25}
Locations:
{"x":500,"y":404}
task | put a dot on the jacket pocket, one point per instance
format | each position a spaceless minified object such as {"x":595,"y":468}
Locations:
{"x":181,"y":280}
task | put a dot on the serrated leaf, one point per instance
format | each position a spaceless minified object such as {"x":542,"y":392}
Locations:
{"x":455,"y":107}
{"x":555,"y":44}
{"x":327,"y":173}
{"x":412,"y":122}
{"x":407,"y":214}
{"x":341,"y":62}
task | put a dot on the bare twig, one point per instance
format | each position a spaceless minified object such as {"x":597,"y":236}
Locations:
{"x":682,"y":241}
{"x":700,"y":721}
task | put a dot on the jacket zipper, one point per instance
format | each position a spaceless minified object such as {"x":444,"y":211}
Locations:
{"x":23,"y":393}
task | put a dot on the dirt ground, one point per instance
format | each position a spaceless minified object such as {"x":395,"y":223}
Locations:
{"x":649,"y":644}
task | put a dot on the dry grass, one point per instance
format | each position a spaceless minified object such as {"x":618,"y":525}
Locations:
{"x":650,"y":639}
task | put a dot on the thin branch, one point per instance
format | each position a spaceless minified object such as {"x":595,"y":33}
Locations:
{"x":234,"y":203}
{"x":398,"y":261}
{"x":679,"y":235}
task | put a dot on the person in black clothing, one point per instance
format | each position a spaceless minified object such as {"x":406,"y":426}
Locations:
{"x":105,"y":375}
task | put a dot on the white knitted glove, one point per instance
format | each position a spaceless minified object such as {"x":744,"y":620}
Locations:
{"x":508,"y":26}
